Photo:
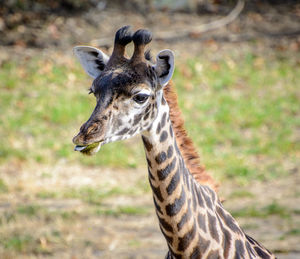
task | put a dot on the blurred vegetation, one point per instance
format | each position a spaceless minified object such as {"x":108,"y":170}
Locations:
{"x":240,"y":111}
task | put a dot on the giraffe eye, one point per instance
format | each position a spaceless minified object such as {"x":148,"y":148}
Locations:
{"x":140,"y":98}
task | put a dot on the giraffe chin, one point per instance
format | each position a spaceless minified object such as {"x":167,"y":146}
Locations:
{"x":89,"y":149}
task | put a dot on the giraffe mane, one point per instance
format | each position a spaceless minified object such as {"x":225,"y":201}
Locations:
{"x":185,"y":144}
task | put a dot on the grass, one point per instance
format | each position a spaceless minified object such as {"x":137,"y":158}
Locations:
{"x":122,"y":210}
{"x":272,"y":209}
{"x":96,"y":195}
{"x":241,"y":112}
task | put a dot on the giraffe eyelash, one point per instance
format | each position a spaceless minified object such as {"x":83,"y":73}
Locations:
{"x":90,"y":90}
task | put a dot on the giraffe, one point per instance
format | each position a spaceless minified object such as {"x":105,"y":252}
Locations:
{"x":133,"y":97}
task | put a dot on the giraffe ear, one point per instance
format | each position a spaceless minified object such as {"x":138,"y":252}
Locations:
{"x":92,"y":59}
{"x":164,"y":66}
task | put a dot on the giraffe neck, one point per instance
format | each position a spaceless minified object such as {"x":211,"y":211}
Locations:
{"x":191,"y":218}
{"x":170,"y":182}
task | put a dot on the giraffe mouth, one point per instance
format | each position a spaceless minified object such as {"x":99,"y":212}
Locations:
{"x":90,"y":149}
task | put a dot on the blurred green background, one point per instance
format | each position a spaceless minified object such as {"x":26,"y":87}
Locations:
{"x":238,"y":89}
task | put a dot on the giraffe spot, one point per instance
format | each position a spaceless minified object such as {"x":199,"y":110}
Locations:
{"x":200,"y":198}
{"x":169,"y":255}
{"x":196,"y":254}
{"x":132,"y":131}
{"x":184,"y":219}
{"x":213,"y":255}
{"x":148,"y":108}
{"x":194,"y":195}
{"x":201,"y":221}
{"x":226,"y":238}
{"x":170,"y":152}
{"x":137,"y":118}
{"x":167,"y":237}
{"x":212,"y":225}
{"x":157,"y":207}
{"x":251,"y":240}
{"x":123,"y":131}
{"x":156,"y":192}
{"x":164,"y":224}
{"x":250,"y":250}
{"x":146,"y":116}
{"x":176,"y":148}
{"x":261,"y":252}
{"x":173,"y":183}
{"x":117,"y":124}
{"x":203,"y":245}
{"x":147,"y":144}
{"x":239,"y":249}
{"x":174,"y":255}
{"x":228,"y":220}
{"x":184,"y":242}
{"x":152,"y":115}
{"x":211,"y":193}
{"x":208,"y":202}
{"x":171,"y":131}
{"x":161,"y":157}
{"x":163,"y":120}
{"x":173,"y":208}
{"x":149,"y":163}
{"x":186,"y":177}
{"x":150,"y":176}
{"x":163,"y":173}
{"x":163,"y":136}
{"x":158,"y":128}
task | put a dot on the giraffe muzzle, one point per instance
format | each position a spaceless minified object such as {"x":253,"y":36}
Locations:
{"x":89,"y":149}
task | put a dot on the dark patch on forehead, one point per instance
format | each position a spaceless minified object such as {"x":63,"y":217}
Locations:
{"x":120,"y":79}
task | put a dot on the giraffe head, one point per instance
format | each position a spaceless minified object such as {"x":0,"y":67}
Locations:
{"x":128,"y":91}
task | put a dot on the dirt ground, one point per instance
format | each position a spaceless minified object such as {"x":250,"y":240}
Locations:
{"x":99,"y":235}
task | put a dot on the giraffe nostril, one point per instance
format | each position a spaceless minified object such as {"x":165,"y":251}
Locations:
{"x":75,"y":140}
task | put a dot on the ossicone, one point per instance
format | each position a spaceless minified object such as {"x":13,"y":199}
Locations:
{"x":122,"y":38}
{"x":140,"y":39}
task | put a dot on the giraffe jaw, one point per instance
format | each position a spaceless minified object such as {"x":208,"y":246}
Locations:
{"x":89,"y":149}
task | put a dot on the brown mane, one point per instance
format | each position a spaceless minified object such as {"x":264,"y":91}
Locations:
{"x":185,"y":144}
